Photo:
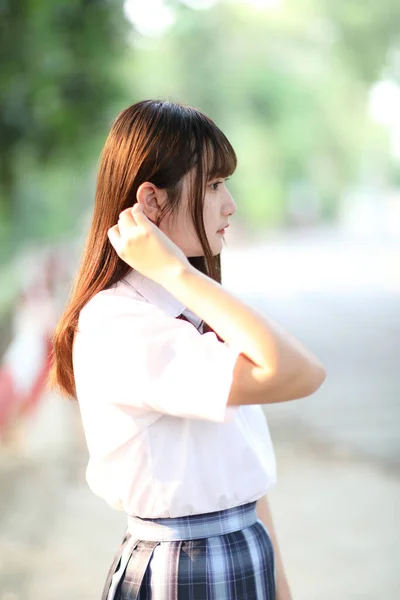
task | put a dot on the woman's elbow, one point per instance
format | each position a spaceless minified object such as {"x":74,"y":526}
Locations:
{"x":298,"y":384}
{"x":310,"y":381}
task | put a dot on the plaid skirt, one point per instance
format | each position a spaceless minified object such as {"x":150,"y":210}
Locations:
{"x":224,"y":555}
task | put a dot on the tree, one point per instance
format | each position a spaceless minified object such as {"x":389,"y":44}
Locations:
{"x":367,"y":35}
{"x":57,"y":82}
{"x":272,"y":82}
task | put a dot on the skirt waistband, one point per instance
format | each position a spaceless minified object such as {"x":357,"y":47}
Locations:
{"x":193,"y":527}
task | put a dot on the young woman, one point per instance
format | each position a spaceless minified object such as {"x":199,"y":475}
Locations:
{"x":170,"y":369}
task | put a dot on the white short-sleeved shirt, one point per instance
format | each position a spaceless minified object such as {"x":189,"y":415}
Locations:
{"x":153,"y":391}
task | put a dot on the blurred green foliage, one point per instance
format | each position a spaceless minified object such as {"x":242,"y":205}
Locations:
{"x":57,"y":85}
{"x":367,"y":35}
{"x":288,"y":86}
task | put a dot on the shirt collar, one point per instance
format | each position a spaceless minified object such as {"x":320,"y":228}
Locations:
{"x":156,"y":294}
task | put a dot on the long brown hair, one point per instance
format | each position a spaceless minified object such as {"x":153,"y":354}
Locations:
{"x":155,"y":141}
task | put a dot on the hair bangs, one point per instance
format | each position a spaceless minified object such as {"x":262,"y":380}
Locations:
{"x":219,"y":156}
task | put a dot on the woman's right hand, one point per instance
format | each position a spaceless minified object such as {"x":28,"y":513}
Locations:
{"x":144,"y":247}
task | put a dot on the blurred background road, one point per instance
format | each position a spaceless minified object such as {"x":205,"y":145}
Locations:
{"x":308,"y":93}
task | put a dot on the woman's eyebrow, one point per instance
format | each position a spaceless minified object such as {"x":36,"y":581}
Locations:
{"x":209,"y":178}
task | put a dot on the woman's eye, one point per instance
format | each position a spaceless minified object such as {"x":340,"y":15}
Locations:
{"x":215,"y":185}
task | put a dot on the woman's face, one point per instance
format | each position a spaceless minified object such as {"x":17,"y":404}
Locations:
{"x":219,"y":206}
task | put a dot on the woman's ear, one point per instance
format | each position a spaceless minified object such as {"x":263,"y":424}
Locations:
{"x":151,"y":199}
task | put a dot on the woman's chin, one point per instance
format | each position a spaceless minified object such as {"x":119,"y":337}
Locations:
{"x":218,"y":248}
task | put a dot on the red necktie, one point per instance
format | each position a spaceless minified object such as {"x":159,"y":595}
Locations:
{"x":206,"y":327}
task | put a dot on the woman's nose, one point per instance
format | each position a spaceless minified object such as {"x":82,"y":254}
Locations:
{"x":232,"y":207}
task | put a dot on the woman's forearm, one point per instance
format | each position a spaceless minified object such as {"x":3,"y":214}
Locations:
{"x":282,"y":585}
{"x":261,"y":339}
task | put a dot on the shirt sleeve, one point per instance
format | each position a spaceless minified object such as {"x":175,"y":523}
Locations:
{"x":149,"y":360}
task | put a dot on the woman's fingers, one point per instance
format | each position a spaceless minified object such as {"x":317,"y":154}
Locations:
{"x":138,"y":215}
{"x":127,"y":217}
{"x":131,"y":221}
{"x":114,"y":236}
{"x":133,"y":216}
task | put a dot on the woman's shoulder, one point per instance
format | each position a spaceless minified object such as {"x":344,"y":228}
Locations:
{"x":116,"y":302}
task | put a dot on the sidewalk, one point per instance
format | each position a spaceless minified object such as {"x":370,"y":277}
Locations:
{"x":337,"y":518}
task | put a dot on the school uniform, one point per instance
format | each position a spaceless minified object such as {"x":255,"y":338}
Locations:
{"x":164,"y":447}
